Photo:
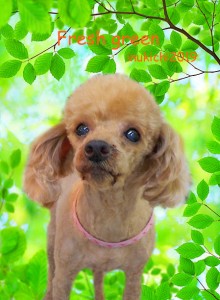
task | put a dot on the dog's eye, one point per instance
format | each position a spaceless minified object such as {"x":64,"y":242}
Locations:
{"x":82,"y":129}
{"x":132,"y":135}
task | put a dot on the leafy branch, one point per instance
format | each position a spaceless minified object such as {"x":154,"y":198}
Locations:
{"x":105,"y":55}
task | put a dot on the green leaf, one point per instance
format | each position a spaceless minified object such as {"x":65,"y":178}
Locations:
{"x":128,"y":31}
{"x":210,"y":164}
{"x":140,"y":75}
{"x":203,"y":190}
{"x":97,"y":63}
{"x":187,"y":265}
{"x":156,"y":271}
{"x":13,"y":243}
{"x":191,"y":198}
{"x":189,"y":46}
{"x":173,"y":15}
{"x":66,"y":53}
{"x":10,"y":68}
{"x":148,"y":293}
{"x":170,"y":270}
{"x":130,"y":52}
{"x":157,"y":71}
{"x":9,"y":239}
{"x":215,"y":127}
{"x":57,"y":67}
{"x":15,"y":158}
{"x":24,"y":292}
{"x":217,"y":245}
{"x":4,"y":192}
{"x":194,"y":30}
{"x":212,"y":261}
{"x":199,"y":267}
{"x":59,"y":24}
{"x":100,"y":49}
{"x":190,"y":250}
{"x":149,"y":50}
{"x":189,"y":3}
{"x":191,"y":209}
{"x":156,"y":34}
{"x":38,"y":37}
{"x":213,"y":147}
{"x":212,"y":278}
{"x":214,"y":179}
{"x":170,"y":64}
{"x":42,"y":63}
{"x":9,"y":207}
{"x":176,"y":39}
{"x":37,"y":274}
{"x":20,"y":30}
{"x":163,"y":291}
{"x":201,"y":221}
{"x":75,"y":13}
{"x":8,"y":183}
{"x":35,"y":16}
{"x":7,"y":31}
{"x":197,"y":237}
{"x":182,"y":279}
{"x":162,"y":88}
{"x":159,"y":99}
{"x":5,"y":11}
{"x":29,"y":73}
{"x":4,"y":167}
{"x":11,"y":282}
{"x":188,"y":292}
{"x":110,"y":67}
{"x":12,"y":197}
{"x":16,"y":49}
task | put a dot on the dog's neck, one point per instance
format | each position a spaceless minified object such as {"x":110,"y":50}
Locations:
{"x":112,"y":215}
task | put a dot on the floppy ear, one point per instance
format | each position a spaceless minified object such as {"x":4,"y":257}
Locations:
{"x":167,"y":178}
{"x":50,"y":159}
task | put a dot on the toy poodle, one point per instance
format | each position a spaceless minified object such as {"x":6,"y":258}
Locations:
{"x":101,"y":172}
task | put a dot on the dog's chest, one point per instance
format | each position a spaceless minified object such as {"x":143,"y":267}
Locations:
{"x":104,"y":259}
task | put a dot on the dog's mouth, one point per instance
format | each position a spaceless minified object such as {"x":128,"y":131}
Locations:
{"x":99,"y":173}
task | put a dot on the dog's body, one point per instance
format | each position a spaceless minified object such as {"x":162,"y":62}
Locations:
{"x":112,"y":159}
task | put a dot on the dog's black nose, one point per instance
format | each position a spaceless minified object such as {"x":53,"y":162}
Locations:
{"x":97,"y":151}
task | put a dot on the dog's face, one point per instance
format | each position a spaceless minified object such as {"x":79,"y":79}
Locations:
{"x":114,"y":135}
{"x":112,"y":124}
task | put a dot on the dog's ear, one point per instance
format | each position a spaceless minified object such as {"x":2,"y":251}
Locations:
{"x":167,"y":179}
{"x":51,"y":158}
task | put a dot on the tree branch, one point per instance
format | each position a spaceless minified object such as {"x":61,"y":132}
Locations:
{"x":212,"y":26}
{"x":102,"y":5}
{"x":132,"y":6}
{"x":165,"y":19}
{"x":211,"y":209}
{"x":207,"y":21}
{"x":202,"y":12}
{"x":206,"y":289}
{"x":201,"y":45}
{"x":193,"y":75}
{"x":110,"y":5}
{"x":128,"y":13}
{"x":53,"y":46}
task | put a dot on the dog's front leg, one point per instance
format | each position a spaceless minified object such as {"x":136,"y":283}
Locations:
{"x":98,"y":284}
{"x":133,"y":285}
{"x":62,"y":282}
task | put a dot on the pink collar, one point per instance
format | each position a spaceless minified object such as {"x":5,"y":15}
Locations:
{"x":125,"y":243}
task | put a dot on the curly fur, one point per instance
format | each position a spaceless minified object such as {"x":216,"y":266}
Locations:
{"x":117,"y":195}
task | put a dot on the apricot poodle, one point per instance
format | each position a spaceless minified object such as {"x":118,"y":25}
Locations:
{"x":101,"y":172}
